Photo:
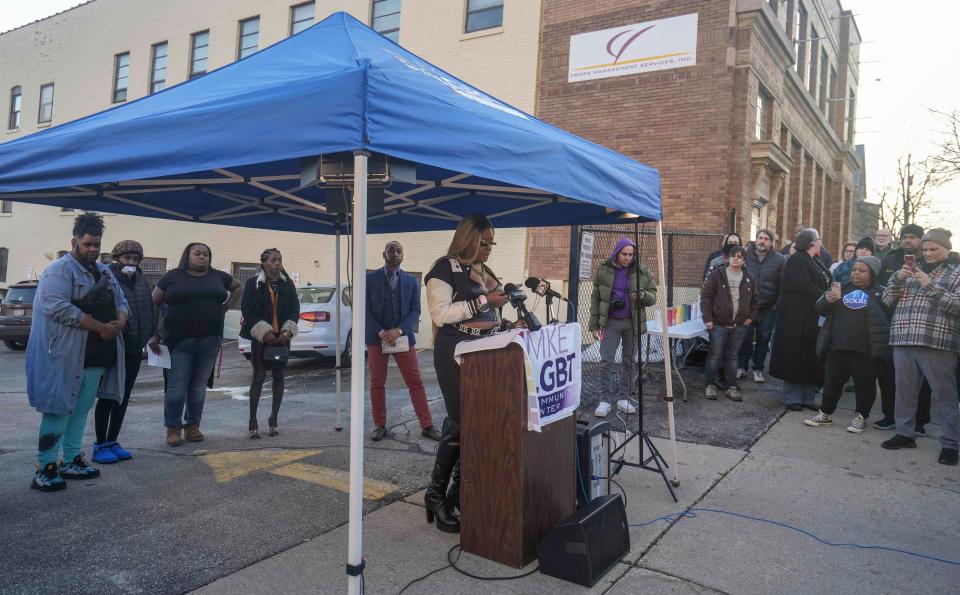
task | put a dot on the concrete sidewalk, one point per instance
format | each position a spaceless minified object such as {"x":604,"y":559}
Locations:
{"x":836,"y":485}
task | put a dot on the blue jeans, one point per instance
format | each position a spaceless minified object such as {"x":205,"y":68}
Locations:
{"x":724,"y":345}
{"x":761,"y":330}
{"x":799,"y":394}
{"x":191,"y":362}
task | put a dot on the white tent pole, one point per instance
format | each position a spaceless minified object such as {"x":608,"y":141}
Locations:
{"x":339,"y":290}
{"x":359,"y":295}
{"x":667,"y":357}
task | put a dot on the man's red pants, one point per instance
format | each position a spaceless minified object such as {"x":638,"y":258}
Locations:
{"x":410,"y":370}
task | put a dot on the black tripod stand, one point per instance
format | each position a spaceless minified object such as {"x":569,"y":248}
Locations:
{"x":654,"y":461}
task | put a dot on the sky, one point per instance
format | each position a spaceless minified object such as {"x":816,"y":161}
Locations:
{"x":909,"y":64}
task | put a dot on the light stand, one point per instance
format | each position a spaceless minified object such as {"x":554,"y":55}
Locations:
{"x":655,"y":461}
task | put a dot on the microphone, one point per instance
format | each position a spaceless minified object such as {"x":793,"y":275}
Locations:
{"x":517,"y":297}
{"x":541,"y":287}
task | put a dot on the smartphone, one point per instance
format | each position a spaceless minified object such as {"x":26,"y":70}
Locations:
{"x":836,"y":286}
{"x":911,"y":261}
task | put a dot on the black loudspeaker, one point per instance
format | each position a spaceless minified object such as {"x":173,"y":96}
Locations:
{"x":582,"y":548}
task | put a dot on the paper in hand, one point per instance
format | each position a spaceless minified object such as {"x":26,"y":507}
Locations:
{"x":160,"y":360}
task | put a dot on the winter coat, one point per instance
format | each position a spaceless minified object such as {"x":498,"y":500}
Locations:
{"x":257,"y":308}
{"x":767,"y":275}
{"x":140,"y":326}
{"x":603,"y":281}
{"x":794,"y":353}
{"x":57,"y":344}
{"x":878,"y":322}
{"x":716,"y":304}
{"x":892,"y":263}
{"x":927,"y":316}
{"x":841,"y":272}
{"x":712,"y":263}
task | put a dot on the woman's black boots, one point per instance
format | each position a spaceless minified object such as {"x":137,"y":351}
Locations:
{"x":448,"y":453}
{"x":453,"y":494}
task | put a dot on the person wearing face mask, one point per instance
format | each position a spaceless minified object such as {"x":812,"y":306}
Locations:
{"x":854,"y":340}
{"x":109,"y":414}
{"x":766,"y":266}
{"x":270,"y":309}
{"x":718,"y":258}
{"x":622,"y":288}
{"x":925,"y":335}
{"x":197,"y":296}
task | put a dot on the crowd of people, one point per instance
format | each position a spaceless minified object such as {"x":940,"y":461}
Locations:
{"x":883,"y":315}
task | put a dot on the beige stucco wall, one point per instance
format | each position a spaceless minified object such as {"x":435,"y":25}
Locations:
{"x":76,"y":50}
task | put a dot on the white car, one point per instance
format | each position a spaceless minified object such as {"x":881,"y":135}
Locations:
{"x":317,"y":331}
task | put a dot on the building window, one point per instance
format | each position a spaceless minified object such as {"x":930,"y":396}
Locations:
{"x":4,"y":256}
{"x":851,"y":116}
{"x":6,"y":207}
{"x":822,"y":82}
{"x":801,"y":46}
{"x":814,"y":45}
{"x":484,"y":14}
{"x":46,"y":104}
{"x":199,"y":43}
{"x":832,"y":98}
{"x":249,"y":37}
{"x":301,"y":17}
{"x":121,"y":71}
{"x":386,"y":19}
{"x":16,"y":97}
{"x":158,"y":73}
{"x":764,"y":112}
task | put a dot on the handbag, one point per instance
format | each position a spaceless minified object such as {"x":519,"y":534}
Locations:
{"x":401,"y":345}
{"x":99,"y":302}
{"x":276,"y":353}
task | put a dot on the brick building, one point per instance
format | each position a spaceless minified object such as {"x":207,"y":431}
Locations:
{"x":758,"y":132}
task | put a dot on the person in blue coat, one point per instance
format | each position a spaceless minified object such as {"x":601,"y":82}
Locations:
{"x":75,"y":352}
{"x":393,"y":315}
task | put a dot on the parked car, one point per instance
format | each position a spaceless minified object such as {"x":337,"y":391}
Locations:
{"x":317,"y":331}
{"x":16,"y":312}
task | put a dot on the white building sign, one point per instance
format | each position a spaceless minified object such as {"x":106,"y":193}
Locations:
{"x":634,"y":49}
{"x":586,"y":256}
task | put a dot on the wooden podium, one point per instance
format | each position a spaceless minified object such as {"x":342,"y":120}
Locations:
{"x":515,"y":484}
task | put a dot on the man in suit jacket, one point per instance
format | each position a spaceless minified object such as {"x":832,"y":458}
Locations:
{"x":393,"y":313}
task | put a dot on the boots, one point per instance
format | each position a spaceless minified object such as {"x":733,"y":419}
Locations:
{"x":174,"y":437}
{"x":448,"y":453}
{"x":453,"y":494}
{"x":192,"y":433}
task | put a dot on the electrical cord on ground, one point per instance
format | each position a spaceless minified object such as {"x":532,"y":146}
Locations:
{"x":622,"y":491}
{"x":452,"y":563}
{"x":692,"y":513}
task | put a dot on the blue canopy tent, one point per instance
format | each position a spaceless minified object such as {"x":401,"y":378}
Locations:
{"x":241,"y":146}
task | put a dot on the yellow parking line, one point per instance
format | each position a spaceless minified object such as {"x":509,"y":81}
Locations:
{"x":334,"y":478}
{"x":231,"y":465}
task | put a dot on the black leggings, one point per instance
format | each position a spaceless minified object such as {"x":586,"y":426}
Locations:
{"x":108,"y":416}
{"x":839,"y":366}
{"x":256,"y":385}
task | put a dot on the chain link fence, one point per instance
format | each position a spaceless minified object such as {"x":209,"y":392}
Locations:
{"x":685,"y":256}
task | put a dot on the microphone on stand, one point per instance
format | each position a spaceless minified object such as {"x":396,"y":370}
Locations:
{"x":517,"y":297}
{"x":541,"y":287}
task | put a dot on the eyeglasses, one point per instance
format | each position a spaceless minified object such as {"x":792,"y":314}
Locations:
{"x":484,"y":243}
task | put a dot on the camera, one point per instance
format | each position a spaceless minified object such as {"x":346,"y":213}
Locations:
{"x":617,"y":303}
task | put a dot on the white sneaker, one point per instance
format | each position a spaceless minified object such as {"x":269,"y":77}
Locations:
{"x":819,"y":420}
{"x":710,"y":392}
{"x":626,"y":406}
{"x":741,"y":373}
{"x":758,"y":376}
{"x":602,"y":409}
{"x":858,"y":425}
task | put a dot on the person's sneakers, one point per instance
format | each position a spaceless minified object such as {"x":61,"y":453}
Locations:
{"x":103,"y":453}
{"x":857,"y":425}
{"x":898,"y":442}
{"x":758,"y":376}
{"x":733,"y":393}
{"x":48,"y":479}
{"x":603,"y":408}
{"x":122,"y":453}
{"x":430,"y":433}
{"x":710,"y":392}
{"x":741,"y":373}
{"x":919,"y":430}
{"x":795,"y":407}
{"x":379,"y":433}
{"x":192,"y":433}
{"x":625,"y":406}
{"x":78,"y":468}
{"x":819,"y":420}
{"x":174,"y":436}
{"x":948,"y":456}
{"x":886,"y":423}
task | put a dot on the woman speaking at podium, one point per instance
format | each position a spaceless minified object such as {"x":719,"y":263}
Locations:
{"x":464,"y":298}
